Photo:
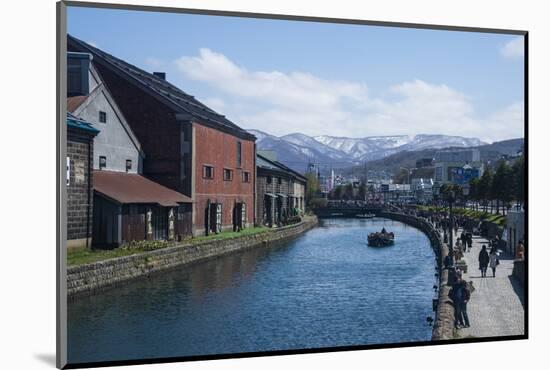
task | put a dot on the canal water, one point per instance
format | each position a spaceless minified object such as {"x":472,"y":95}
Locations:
{"x":323,"y":289}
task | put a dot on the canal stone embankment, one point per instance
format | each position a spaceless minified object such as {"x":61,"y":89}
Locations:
{"x":95,"y":276}
{"x":323,"y":289}
{"x":444,"y":318}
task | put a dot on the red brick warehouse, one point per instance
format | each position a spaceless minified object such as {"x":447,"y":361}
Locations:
{"x":188,"y":147}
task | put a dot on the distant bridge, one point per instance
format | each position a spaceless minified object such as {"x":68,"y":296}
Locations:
{"x":329,"y":212}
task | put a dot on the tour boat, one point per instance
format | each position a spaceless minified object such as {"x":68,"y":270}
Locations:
{"x":381,"y":239}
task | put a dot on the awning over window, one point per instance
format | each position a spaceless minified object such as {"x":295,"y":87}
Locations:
{"x":131,"y":188}
{"x":282,"y":195}
{"x":271,"y":195}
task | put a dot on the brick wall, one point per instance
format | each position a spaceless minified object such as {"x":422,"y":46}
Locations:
{"x":79,"y":191}
{"x":219,"y":150}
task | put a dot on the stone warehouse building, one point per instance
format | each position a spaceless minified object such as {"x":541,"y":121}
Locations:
{"x":80,"y":152}
{"x":280,"y":192}
{"x":126,"y":205}
{"x":189,"y":148}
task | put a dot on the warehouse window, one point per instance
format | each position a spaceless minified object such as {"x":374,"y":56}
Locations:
{"x":128,"y":165}
{"x":102,"y":117}
{"x":227,"y":174}
{"x":102,"y":162}
{"x":246,"y":176}
{"x":239,"y":154}
{"x":207,"y":172}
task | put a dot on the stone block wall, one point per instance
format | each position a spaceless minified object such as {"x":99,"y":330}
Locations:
{"x":99,"y":275}
{"x":443,"y":326}
{"x":80,"y":189}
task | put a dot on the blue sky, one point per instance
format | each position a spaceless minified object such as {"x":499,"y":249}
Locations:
{"x":325,"y":79}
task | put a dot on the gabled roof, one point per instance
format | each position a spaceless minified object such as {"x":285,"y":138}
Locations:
{"x":131,"y":188}
{"x":74,"y":102}
{"x":80,"y":124}
{"x":268,"y":164}
{"x":161,"y":89}
{"x":84,"y":100}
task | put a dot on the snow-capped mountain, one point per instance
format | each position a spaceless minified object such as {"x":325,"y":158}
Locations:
{"x":296,"y":150}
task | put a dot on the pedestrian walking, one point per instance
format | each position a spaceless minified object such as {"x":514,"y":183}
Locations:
{"x":463,"y":240}
{"x":483,"y":259}
{"x":469,"y":241}
{"x":460,"y":295}
{"x":493,"y":260}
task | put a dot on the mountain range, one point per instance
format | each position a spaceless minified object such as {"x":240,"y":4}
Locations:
{"x":407,"y":159}
{"x":297,"y":150}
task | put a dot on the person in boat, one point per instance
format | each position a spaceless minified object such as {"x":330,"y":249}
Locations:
{"x":383,"y":230}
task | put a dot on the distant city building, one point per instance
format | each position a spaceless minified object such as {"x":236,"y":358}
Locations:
{"x":424,"y":162}
{"x":422,"y":188}
{"x":458,"y":155}
{"x":458,"y":166}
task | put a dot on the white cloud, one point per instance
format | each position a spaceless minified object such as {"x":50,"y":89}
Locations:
{"x":513,"y":48}
{"x":282,"y":103}
{"x":506,"y":123}
{"x":293,"y":90}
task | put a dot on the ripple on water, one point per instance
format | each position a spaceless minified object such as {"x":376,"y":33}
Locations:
{"x":323,"y":289}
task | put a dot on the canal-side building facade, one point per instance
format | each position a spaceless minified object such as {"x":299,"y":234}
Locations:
{"x":280,"y":192}
{"x":188,"y":147}
{"x":80,"y":151}
{"x":126,"y":206}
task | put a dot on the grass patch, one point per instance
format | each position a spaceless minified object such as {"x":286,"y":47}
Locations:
{"x":500,"y":220}
{"x":80,"y":256}
{"x":230,"y":234}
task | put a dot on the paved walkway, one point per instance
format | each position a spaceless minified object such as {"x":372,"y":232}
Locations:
{"x":495,"y":307}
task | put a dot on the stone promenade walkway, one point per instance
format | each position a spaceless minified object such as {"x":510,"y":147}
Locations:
{"x":495,"y":307}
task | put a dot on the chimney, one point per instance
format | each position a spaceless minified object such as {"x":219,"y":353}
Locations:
{"x":161,"y":75}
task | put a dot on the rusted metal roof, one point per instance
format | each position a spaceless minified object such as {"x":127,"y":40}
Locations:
{"x":74,"y":102}
{"x":128,"y":188}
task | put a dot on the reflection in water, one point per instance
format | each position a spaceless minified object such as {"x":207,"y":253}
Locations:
{"x":323,"y":289}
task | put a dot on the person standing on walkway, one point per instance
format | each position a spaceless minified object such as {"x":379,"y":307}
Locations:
{"x":483,"y":260}
{"x":493,"y":260}
{"x":460,"y":294}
